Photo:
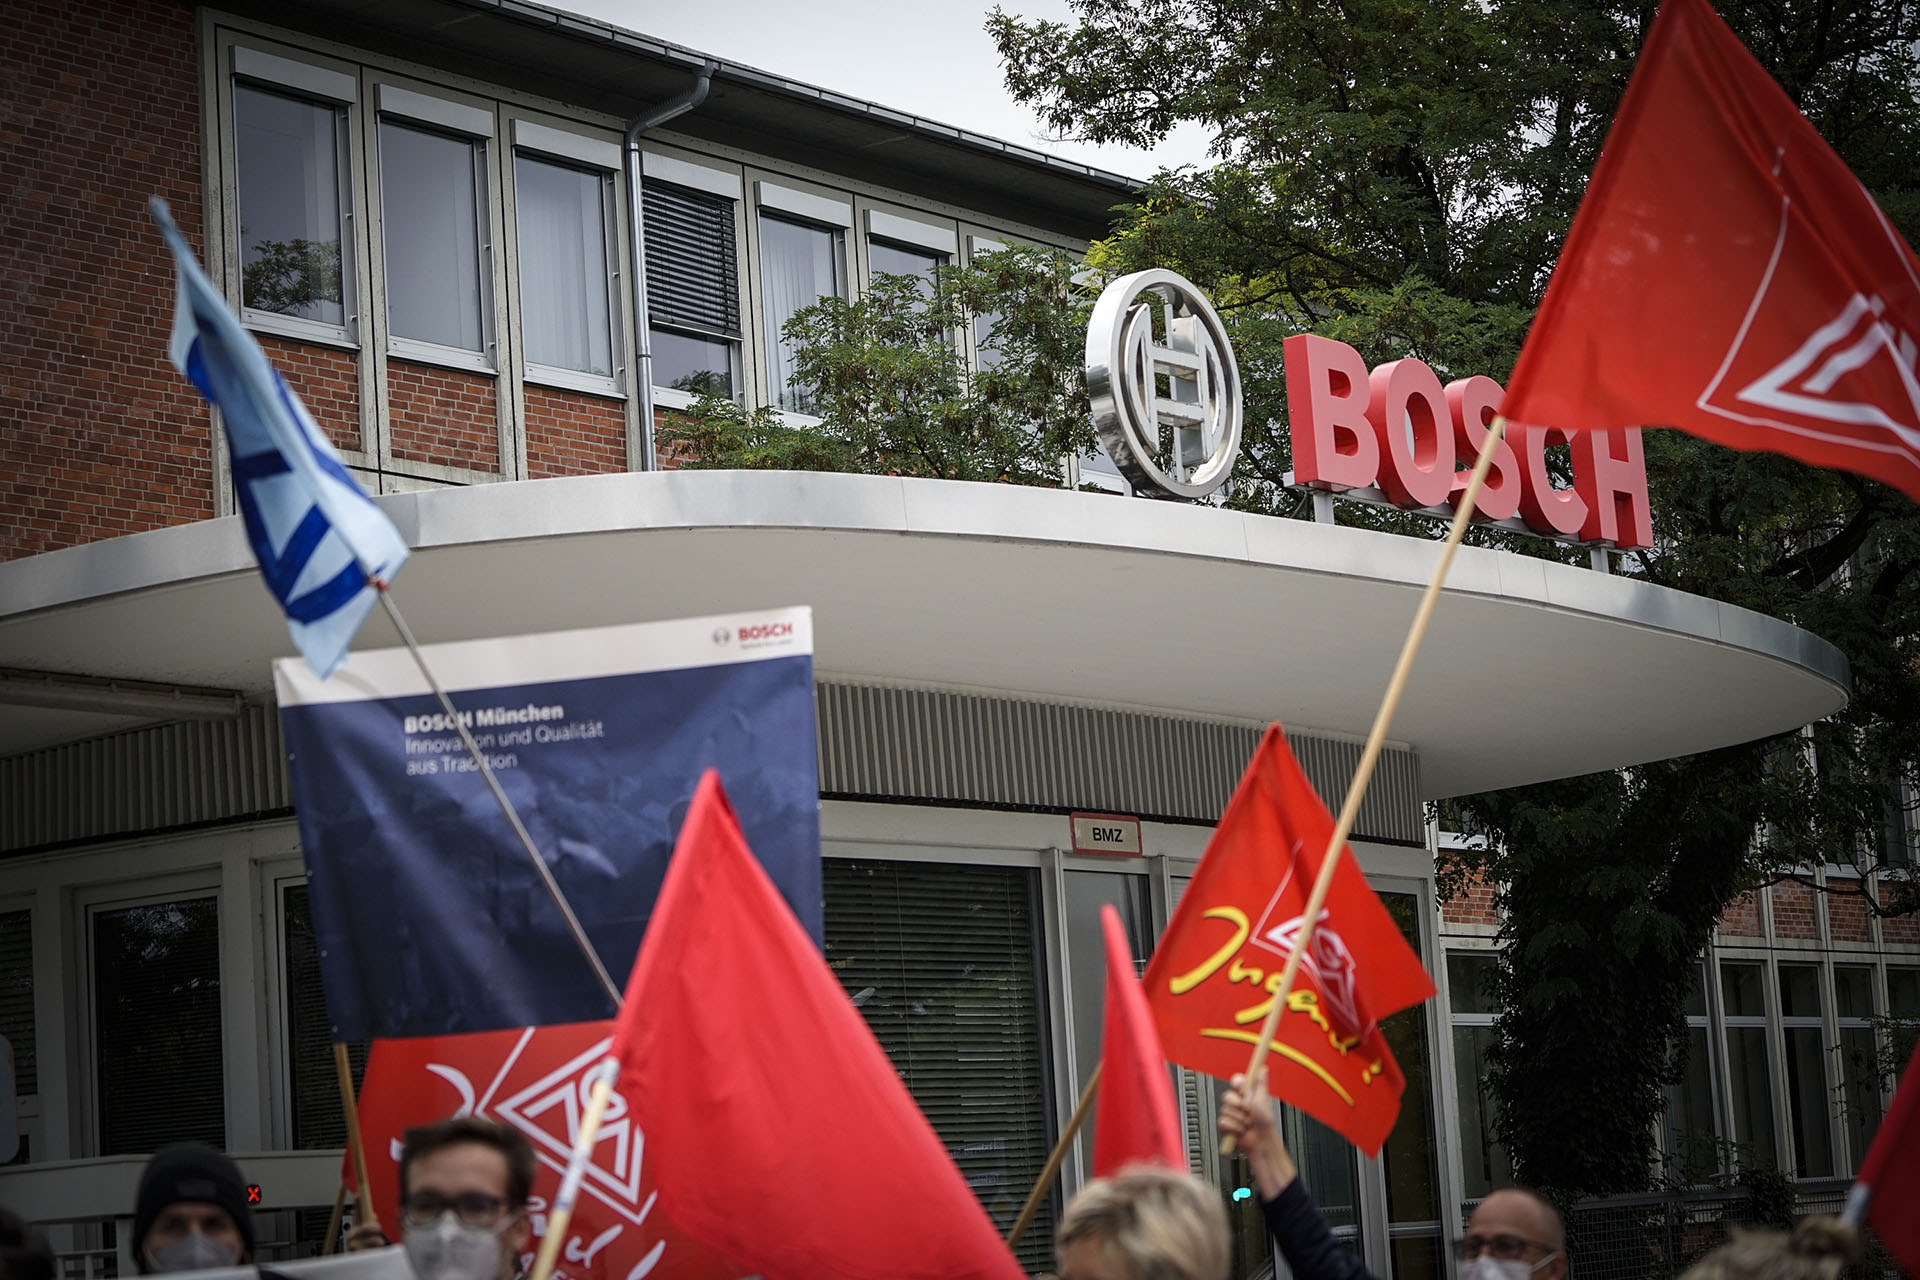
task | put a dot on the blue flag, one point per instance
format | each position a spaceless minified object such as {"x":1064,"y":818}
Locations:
{"x":317,"y":536}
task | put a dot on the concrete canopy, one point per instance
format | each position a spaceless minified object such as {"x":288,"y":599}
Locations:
{"x":1531,"y":670}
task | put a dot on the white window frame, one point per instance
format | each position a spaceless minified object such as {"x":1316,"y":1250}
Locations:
{"x":727,"y":183}
{"x":1766,"y":1021}
{"x":791,"y":203}
{"x":275,"y":69}
{"x":570,"y":149}
{"x":451,"y":118}
{"x":1821,"y":1024}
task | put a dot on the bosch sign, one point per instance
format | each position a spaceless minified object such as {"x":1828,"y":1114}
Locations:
{"x":1397,"y":427}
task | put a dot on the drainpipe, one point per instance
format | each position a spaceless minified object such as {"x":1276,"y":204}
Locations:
{"x":637,"y":248}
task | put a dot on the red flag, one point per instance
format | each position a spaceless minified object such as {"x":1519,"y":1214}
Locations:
{"x":778,"y":1133}
{"x":1212,"y":978}
{"x":1891,"y":1171}
{"x":534,"y":1079}
{"x":1138,"y":1122}
{"x":1728,"y":275}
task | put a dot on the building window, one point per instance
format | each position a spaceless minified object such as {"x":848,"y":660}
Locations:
{"x":1749,"y":1079}
{"x":1483,"y":1159}
{"x":961,"y":1021}
{"x":290,"y":155}
{"x":19,"y":1075}
{"x":156,"y":1025}
{"x":1409,"y":1157}
{"x":800,"y":263}
{"x":1806,"y":1057}
{"x":565,"y":223}
{"x":432,"y":219}
{"x":1858,"y":1057}
{"x":314,"y":1087}
{"x":887,"y":259}
{"x":1693,"y":1118}
{"x":693,"y":295}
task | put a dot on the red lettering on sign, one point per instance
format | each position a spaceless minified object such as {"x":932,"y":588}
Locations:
{"x":1474,"y":402}
{"x":1409,"y":414}
{"x":1327,"y":394}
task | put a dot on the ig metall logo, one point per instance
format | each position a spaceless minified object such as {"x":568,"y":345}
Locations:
{"x":1176,"y":444}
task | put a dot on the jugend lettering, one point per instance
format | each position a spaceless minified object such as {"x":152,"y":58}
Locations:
{"x":437,"y":722}
{"x":766,"y":631}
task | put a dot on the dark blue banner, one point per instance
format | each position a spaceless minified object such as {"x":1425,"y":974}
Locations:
{"x":429,"y":917}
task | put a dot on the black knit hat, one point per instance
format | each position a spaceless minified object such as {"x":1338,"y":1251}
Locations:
{"x":194,"y":1174}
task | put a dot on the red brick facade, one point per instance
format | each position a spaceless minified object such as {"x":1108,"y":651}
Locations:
{"x":572,"y":434}
{"x":1473,"y":905}
{"x":101,"y":436}
{"x":327,"y":382}
{"x":442,"y":416}
{"x":1793,"y":911}
{"x":1902,"y":929}
{"x":1848,"y":917}
{"x":1742,"y":917}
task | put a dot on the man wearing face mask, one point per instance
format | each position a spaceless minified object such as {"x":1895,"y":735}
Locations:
{"x":191,"y":1212}
{"x":1512,"y":1235}
{"x":464,"y":1186}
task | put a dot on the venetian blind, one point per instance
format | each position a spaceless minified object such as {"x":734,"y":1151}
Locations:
{"x":692,"y":267}
{"x":314,"y":1088}
{"x":156,"y":976}
{"x":16,"y":997}
{"x":941,"y":961}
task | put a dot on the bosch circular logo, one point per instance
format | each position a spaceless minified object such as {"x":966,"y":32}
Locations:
{"x":721,"y":635}
{"x":1200,"y":414}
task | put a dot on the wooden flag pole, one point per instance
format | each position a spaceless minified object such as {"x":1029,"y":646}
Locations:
{"x":332,"y":1243}
{"x":1051,"y":1169}
{"x":1363,"y":772}
{"x":561,"y":1214}
{"x":500,"y":796}
{"x":363,"y":1197}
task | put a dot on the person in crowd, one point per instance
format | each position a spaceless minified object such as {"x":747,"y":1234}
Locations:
{"x":1146,"y":1223}
{"x":24,"y":1254}
{"x":1513,"y":1234}
{"x":1820,"y":1248}
{"x":191,"y":1212}
{"x":464,"y":1186}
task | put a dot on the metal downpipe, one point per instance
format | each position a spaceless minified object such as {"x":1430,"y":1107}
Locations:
{"x":637,"y":247}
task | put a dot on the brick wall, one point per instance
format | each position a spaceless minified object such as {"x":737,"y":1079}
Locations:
{"x":1793,"y":908}
{"x":570,"y":434}
{"x":1473,"y":905}
{"x":1904,"y":929}
{"x":327,"y":382}
{"x":1848,"y":919}
{"x":99,"y":108}
{"x":1742,"y":917}
{"x":442,"y":416}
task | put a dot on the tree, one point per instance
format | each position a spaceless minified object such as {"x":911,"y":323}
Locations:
{"x":1399,"y":175}
{"x":895,"y":394}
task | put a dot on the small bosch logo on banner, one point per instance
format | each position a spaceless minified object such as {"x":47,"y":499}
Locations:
{"x":721,"y":635}
{"x":761,"y":632}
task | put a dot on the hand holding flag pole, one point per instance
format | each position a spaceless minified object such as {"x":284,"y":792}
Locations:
{"x":1370,"y":755}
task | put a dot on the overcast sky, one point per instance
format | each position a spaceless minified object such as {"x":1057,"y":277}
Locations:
{"x":929,"y":57}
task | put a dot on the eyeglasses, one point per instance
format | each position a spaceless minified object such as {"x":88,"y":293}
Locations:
{"x":475,"y":1208}
{"x":1504,"y":1247}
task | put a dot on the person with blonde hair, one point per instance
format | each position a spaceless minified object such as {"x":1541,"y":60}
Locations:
{"x":1820,"y":1248}
{"x":1147,"y":1223}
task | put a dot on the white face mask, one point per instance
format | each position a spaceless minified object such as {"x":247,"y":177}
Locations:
{"x":1486,"y":1268}
{"x":452,"y":1250}
{"x":193,"y":1252}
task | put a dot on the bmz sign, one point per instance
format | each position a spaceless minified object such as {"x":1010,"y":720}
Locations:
{"x":1392,"y":433}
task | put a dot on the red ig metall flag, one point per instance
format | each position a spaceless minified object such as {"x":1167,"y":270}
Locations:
{"x":1727,"y":275}
{"x":1214,"y":975}
{"x":535,"y":1079}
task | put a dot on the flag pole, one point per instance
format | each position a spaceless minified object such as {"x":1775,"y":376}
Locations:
{"x":499,"y":795}
{"x":332,"y":1244}
{"x":560,"y":1216}
{"x":1370,"y":756}
{"x":1051,"y":1169}
{"x":343,"y":1069}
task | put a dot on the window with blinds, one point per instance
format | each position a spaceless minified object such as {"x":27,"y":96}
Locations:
{"x":312,"y":1085}
{"x":16,"y":997}
{"x":156,"y":1025}
{"x":693,"y":295}
{"x":942,"y":961}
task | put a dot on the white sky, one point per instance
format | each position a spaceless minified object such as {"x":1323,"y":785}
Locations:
{"x":932,"y":58}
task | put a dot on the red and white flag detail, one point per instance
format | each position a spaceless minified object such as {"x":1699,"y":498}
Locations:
{"x":1728,"y":275}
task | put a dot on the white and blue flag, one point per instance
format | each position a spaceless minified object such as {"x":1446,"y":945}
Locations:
{"x":319,"y":538}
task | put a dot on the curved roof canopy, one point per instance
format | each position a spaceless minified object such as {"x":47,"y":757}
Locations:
{"x":1531,"y":670}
